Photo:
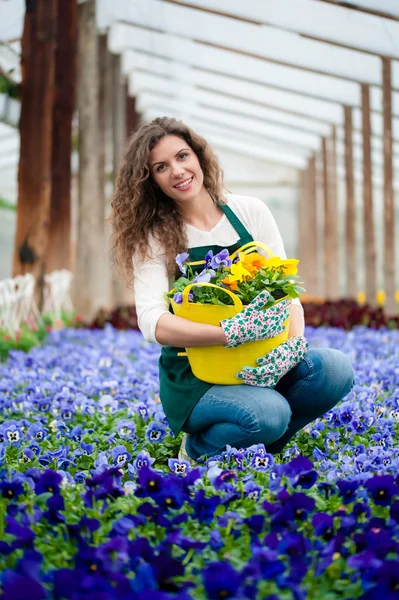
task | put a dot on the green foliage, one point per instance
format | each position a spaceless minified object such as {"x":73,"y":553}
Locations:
{"x":274,"y":281}
{"x":30,"y":335}
{"x":5,"y":204}
{"x":9,"y":87}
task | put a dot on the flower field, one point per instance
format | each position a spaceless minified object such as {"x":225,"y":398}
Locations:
{"x":94,"y":506}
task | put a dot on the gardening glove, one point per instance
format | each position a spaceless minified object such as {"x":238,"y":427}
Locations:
{"x":253,"y":323}
{"x":275,"y":363}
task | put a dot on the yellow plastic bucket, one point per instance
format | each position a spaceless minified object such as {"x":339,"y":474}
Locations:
{"x":217,"y":364}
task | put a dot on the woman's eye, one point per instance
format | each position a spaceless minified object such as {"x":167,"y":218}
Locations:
{"x":160,"y":168}
{"x":183,"y":155}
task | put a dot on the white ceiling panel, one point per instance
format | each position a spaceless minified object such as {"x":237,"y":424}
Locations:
{"x":11,"y":19}
{"x":316,"y":19}
{"x":260,"y":40}
{"x":245,"y":124}
{"x":244,"y":128}
{"x":266,"y":151}
{"x":185,"y":79}
{"x":390,"y":7}
{"x":182,"y":88}
{"x":187,"y":52}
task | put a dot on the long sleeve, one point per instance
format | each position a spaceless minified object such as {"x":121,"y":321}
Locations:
{"x":150,"y":283}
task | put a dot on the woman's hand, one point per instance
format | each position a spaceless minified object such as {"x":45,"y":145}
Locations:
{"x":253,"y":323}
{"x":275,"y":364}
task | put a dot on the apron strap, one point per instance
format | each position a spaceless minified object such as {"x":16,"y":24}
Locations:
{"x":235,"y":221}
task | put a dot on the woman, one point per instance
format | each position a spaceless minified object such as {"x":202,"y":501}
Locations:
{"x":169,"y":200}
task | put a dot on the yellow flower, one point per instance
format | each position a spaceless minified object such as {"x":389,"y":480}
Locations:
{"x":238,"y":272}
{"x":361,"y":298}
{"x":253,"y":262}
{"x":380,"y":297}
{"x":289,"y":265}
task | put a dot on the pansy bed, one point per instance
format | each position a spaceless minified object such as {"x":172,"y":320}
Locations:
{"x":93,"y":506}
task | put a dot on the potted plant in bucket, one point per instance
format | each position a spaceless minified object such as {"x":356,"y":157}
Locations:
{"x":222,"y":289}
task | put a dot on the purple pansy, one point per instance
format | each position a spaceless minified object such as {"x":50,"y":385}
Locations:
{"x":120,"y":455}
{"x":155,"y":432}
{"x":219,"y":260}
{"x":181,"y":262}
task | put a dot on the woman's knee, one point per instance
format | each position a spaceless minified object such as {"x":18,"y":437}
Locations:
{"x":334,"y":369}
{"x":272,"y":419}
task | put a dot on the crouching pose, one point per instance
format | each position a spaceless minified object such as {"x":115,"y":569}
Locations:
{"x":169,"y":199}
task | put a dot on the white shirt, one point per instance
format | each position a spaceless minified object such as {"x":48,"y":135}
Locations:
{"x":151,"y":281}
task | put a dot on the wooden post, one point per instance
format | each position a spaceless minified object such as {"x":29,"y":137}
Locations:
{"x":88,"y":284}
{"x":105,"y":157}
{"x":333,"y":278}
{"x":350,"y":210}
{"x":326,"y":224}
{"x":370,"y":262}
{"x":34,"y":170}
{"x":311,"y":284}
{"x":59,"y":250}
{"x":319,"y":183}
{"x":389,"y":212}
{"x":104,"y":107}
{"x":301,"y":252}
{"x":132,"y":117}
{"x":118,"y":112}
{"x":121,"y":296}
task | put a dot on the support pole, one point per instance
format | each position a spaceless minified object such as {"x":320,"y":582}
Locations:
{"x":104,"y":153}
{"x":59,"y":250}
{"x":132,"y":117}
{"x":88,"y":288}
{"x":301,"y":252}
{"x":370,"y":261}
{"x":389,"y":211}
{"x":311,"y":284}
{"x":333,"y":287}
{"x":326,"y":225}
{"x":121,"y":295}
{"x":34,"y":170}
{"x":350,"y":210}
{"x":118,"y":113}
{"x":319,"y":177}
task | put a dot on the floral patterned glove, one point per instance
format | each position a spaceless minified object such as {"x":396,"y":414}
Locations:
{"x":275,"y":363}
{"x":253,"y":323}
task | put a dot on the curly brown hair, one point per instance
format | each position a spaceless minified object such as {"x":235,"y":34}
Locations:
{"x":140,"y":209}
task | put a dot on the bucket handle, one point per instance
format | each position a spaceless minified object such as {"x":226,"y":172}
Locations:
{"x":237,"y":302}
{"x":249,"y":247}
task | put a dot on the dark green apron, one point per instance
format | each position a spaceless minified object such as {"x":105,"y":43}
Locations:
{"x":180,"y":389}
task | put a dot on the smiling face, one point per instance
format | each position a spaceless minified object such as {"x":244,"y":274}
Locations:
{"x":175,"y":169}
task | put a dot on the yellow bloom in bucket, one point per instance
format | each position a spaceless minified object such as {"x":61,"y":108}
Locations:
{"x":238,"y":272}
{"x":289,"y":265}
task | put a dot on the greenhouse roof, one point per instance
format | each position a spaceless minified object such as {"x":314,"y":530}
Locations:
{"x":272,"y":75}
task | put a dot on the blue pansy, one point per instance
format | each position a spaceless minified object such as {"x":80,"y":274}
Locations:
{"x":155,"y":432}
{"x":120,"y":455}
{"x":180,"y":467}
{"x":143,"y":459}
{"x":181,"y":262}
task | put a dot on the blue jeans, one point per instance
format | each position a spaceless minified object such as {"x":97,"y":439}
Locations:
{"x":242,"y":415}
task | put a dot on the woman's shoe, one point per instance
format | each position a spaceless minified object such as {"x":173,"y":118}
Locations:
{"x":183,"y":453}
